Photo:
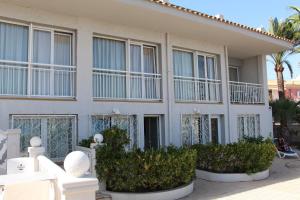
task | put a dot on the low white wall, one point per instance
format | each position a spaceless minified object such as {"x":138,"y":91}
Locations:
{"x":66,"y":186}
{"x":176,"y":193}
{"x":229,"y":178}
{"x":9,"y":147}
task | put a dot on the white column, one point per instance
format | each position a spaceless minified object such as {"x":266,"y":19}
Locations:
{"x":84,"y":81}
{"x":168,"y":91}
{"x":228,"y":117}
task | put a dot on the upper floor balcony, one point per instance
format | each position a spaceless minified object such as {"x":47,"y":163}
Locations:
{"x":125,"y":70}
{"x":196,"y":77}
{"x":244,"y":81}
{"x":36,"y":61}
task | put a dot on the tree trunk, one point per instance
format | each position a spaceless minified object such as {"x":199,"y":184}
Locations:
{"x":280,"y":82}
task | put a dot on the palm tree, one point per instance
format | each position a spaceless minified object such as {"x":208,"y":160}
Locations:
{"x":295,"y":19}
{"x":286,"y":29}
{"x":284,"y":113}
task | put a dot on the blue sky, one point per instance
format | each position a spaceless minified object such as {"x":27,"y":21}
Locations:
{"x":249,"y":13}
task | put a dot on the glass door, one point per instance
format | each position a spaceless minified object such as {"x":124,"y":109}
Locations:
{"x":215,"y":129}
{"x":151,"y":132}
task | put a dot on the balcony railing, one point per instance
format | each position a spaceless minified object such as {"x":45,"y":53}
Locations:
{"x":197,"y":90}
{"x":246,"y":93}
{"x":39,"y":80}
{"x":114,"y":84}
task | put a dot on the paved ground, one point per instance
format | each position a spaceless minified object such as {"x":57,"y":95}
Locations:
{"x":283,"y":184}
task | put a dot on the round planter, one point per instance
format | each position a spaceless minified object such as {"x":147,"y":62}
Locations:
{"x":173,"y":194}
{"x":229,"y":178}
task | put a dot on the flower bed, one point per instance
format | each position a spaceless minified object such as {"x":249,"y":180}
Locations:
{"x":142,"y":171}
{"x":242,"y":157}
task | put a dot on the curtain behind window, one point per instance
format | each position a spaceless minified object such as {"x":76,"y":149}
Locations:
{"x":109,"y":54}
{"x":135,"y":58}
{"x":13,"y":42}
{"x":211,"y":74}
{"x":201,"y":67}
{"x":149,"y":60}
{"x":62,"y":49}
{"x":41,"y":46}
{"x":183,"y":63}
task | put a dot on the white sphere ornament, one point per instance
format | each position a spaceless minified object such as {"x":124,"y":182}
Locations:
{"x":98,"y":138}
{"x":77,"y":163}
{"x":35,"y":141}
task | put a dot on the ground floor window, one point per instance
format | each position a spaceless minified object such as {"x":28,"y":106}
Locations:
{"x":127,"y":122}
{"x":248,"y":125}
{"x":200,"y":129}
{"x":57,"y":133}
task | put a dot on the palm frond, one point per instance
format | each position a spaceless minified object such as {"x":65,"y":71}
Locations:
{"x":289,"y":65}
{"x":295,"y":8}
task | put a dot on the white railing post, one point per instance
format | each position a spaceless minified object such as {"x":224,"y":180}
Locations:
{"x":36,"y":150}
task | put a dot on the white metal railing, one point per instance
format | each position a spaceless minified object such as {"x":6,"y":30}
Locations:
{"x":114,"y":84}
{"x":38,"y":80}
{"x":197,"y":89}
{"x":246,"y":93}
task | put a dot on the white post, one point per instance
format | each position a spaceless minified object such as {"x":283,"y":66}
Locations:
{"x":77,"y":165}
{"x":36,"y":150}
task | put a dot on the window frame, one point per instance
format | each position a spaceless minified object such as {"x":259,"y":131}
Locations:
{"x":195,"y":71}
{"x":246,"y":117}
{"x":128,"y":73}
{"x":199,"y":116}
{"x":45,"y":117}
{"x":29,"y":63}
{"x":237,"y":71}
{"x":112,"y":118}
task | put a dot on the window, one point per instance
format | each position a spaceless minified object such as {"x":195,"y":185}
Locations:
{"x":200,"y":129}
{"x":42,"y":67}
{"x":195,"y":129}
{"x":13,"y":42}
{"x":57,"y":133}
{"x":126,"y":122}
{"x":115,"y":78}
{"x":109,"y":54}
{"x":195,"y":76}
{"x":249,"y":125}
{"x":183,"y":63}
{"x":233,"y":73}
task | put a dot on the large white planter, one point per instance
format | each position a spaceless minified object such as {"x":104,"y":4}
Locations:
{"x":173,"y":194}
{"x":229,"y":178}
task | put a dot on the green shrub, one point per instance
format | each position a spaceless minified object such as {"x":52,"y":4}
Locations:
{"x":257,"y":140}
{"x":86,"y":142}
{"x":138,"y":171}
{"x":241,"y":157}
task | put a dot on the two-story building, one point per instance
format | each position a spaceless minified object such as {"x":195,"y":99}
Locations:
{"x":166,"y":74}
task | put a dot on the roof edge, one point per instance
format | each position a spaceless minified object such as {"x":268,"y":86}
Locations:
{"x":227,"y":22}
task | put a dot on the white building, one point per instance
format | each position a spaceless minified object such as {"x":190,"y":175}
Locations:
{"x":167,"y":74}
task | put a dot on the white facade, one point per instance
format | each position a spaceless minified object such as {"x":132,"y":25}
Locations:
{"x":79,"y":102}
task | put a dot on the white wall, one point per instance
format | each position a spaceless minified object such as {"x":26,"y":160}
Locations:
{"x":84,"y":106}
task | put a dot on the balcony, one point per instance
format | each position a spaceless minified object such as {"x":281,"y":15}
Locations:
{"x":122,"y":85}
{"x":19,"y":79}
{"x":246,"y":93}
{"x":197,"y":90}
